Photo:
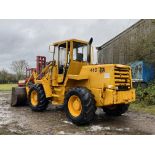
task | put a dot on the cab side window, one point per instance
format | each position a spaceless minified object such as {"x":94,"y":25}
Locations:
{"x":79,"y":52}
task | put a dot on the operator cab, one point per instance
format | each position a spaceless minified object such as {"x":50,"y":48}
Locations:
{"x":69,"y":52}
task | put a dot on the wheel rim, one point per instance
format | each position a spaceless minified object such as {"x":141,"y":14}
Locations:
{"x":34,"y":98}
{"x":75,"y":106}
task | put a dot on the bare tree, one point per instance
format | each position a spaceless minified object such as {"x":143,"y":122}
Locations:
{"x":19,"y":67}
{"x":3,"y":76}
{"x":6,"y":77}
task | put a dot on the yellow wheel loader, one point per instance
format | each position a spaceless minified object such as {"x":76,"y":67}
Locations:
{"x":72,"y":81}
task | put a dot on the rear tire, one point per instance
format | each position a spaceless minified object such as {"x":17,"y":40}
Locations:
{"x":86,"y":113}
{"x":41,"y":101}
{"x":116,"y":110}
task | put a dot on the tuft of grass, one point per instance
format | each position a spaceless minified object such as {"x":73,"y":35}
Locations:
{"x":7,"y":87}
{"x":143,"y":108}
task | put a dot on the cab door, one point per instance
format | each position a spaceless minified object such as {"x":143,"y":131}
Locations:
{"x":63,"y":57}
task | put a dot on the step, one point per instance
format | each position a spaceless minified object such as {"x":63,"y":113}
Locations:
{"x":57,"y":89}
{"x":55,"y":95}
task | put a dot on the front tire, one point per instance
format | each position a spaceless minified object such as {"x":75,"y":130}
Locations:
{"x":79,"y":106}
{"x":37,"y":98}
{"x":116,"y":110}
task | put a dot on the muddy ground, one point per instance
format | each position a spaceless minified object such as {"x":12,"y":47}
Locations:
{"x":21,"y":120}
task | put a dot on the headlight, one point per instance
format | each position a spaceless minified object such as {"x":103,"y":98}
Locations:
{"x":116,"y":88}
{"x":110,"y":86}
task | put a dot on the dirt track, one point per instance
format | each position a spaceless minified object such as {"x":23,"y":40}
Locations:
{"x":22,"y":120}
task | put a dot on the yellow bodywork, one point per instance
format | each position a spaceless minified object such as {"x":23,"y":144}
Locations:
{"x":109,"y":83}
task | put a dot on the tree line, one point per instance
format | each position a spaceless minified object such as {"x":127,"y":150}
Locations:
{"x":18,"y":72}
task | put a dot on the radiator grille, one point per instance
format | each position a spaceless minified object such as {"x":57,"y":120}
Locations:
{"x":122,"y":78}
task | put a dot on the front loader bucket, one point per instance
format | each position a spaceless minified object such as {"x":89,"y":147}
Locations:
{"x":19,"y":96}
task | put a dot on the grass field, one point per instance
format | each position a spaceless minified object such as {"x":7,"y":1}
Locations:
{"x":143,"y":108}
{"x":7,"y":87}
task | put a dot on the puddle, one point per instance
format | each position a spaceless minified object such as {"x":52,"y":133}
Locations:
{"x":61,"y":133}
{"x":67,"y":122}
{"x":99,"y":128}
{"x":3,"y":99}
{"x":95,"y":128}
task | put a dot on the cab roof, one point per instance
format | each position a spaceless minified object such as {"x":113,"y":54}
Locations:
{"x":76,"y":40}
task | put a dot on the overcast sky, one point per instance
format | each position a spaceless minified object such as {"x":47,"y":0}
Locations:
{"x":25,"y":39}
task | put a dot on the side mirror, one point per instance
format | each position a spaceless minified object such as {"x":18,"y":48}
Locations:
{"x":51,"y":48}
